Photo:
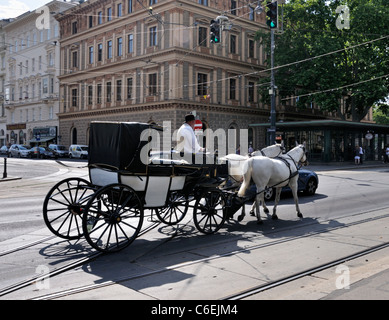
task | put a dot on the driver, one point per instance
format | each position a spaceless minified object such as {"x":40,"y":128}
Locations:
{"x":186,"y":138}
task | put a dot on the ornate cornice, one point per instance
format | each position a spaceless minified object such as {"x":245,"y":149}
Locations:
{"x":174,"y":104}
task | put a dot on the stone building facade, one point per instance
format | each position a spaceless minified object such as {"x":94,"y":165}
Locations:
{"x":31,"y":87}
{"x":152,"y":61}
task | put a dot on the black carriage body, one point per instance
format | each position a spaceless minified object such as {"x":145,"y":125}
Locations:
{"x":119,"y":154}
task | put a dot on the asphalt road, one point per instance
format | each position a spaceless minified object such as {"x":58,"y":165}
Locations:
{"x":342,"y":196}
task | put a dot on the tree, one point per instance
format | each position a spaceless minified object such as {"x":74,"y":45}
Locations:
{"x":318,"y":60}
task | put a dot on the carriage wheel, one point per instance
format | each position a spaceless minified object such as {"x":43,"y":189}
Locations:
{"x":113,"y":218}
{"x":175,"y":210}
{"x":209,"y":214}
{"x":64,"y":205}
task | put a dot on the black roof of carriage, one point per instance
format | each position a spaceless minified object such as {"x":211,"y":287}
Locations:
{"x":118,"y":145}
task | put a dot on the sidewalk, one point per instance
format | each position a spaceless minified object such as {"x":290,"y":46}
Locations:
{"x":346,"y":165}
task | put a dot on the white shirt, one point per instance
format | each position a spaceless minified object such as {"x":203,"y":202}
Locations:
{"x":387,"y":151}
{"x":189,"y":144}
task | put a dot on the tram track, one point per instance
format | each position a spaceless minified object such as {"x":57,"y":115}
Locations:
{"x":240,"y":295}
{"x":74,"y":264}
{"x":258,"y":289}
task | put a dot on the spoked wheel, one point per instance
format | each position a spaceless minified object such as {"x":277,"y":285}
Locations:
{"x":208,"y":213}
{"x":64,"y":205}
{"x":175,"y":210}
{"x":113,"y":218}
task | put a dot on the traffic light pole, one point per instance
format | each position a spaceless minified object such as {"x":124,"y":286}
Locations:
{"x":272,"y":129}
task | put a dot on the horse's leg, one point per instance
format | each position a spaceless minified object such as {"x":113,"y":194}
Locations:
{"x":243,"y":213}
{"x":257,"y":202}
{"x":276,"y":200}
{"x":293,"y":186}
{"x":253,"y":208}
{"x":265,"y":208}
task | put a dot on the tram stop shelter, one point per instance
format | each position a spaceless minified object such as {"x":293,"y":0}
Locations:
{"x":332,"y":140}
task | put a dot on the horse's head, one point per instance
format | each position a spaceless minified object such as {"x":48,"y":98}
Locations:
{"x":303,"y":160}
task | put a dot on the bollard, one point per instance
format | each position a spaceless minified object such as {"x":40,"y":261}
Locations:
{"x":5,"y":168}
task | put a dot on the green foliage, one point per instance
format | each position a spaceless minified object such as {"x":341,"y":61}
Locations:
{"x":332,"y":63}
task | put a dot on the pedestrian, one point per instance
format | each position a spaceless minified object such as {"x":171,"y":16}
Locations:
{"x":357,"y":157}
{"x":360,"y":155}
{"x":386,"y":156}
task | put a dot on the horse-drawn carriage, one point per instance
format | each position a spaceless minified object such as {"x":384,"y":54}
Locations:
{"x":127,"y":179}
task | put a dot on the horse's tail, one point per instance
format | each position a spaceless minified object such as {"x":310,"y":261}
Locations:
{"x":247,"y":168}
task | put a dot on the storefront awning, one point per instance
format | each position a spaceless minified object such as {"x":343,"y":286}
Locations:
{"x":326,"y":123}
{"x":45,"y":139}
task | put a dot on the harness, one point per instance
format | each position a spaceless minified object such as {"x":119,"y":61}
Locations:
{"x":291,"y":174}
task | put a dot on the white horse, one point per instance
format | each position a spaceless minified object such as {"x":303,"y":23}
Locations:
{"x":236,"y":161}
{"x":273,"y":173}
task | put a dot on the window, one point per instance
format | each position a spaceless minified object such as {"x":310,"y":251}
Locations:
{"x":109,"y":14}
{"x":74,"y":97}
{"x":151,"y":2}
{"x":119,"y":8}
{"x":74,"y":27}
{"x":251,"y":48}
{"x":233,"y":7}
{"x":90,"y":21}
{"x":153,"y":36}
{"x":90,"y":95}
{"x":152,"y":84}
{"x":203,"y":32}
{"x":109,"y":92}
{"x":251,"y":14}
{"x":99,"y":93}
{"x":51,"y":59}
{"x":251,"y":91}
{"x":74,"y":59}
{"x":119,"y":47}
{"x":130,"y":6}
{"x":232,"y":44}
{"x":109,"y":49}
{"x":203,"y":2}
{"x":130,"y":43}
{"x":129,"y":88}
{"x":45,"y":86}
{"x":118,"y":90}
{"x":100,"y":17}
{"x":90,"y":55}
{"x":232,"y":89}
{"x":100,"y":52}
{"x":202,"y":84}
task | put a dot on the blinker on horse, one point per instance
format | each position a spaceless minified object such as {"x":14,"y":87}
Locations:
{"x":278,"y":172}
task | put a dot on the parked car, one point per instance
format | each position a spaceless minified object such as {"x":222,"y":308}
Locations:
{"x":59,"y":150}
{"x":78,"y":151}
{"x":308,"y":182}
{"x":43,"y":153}
{"x":18,"y":150}
{"x":4,"y":150}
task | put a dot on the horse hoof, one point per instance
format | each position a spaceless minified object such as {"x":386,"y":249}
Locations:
{"x":252,"y":213}
{"x":266,"y":210}
{"x":259,"y":222}
{"x":274,"y":217}
{"x":300,"y":215}
{"x":240,"y":217}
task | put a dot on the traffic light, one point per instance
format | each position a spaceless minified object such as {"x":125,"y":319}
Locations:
{"x":215,"y":31}
{"x":271,"y":14}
